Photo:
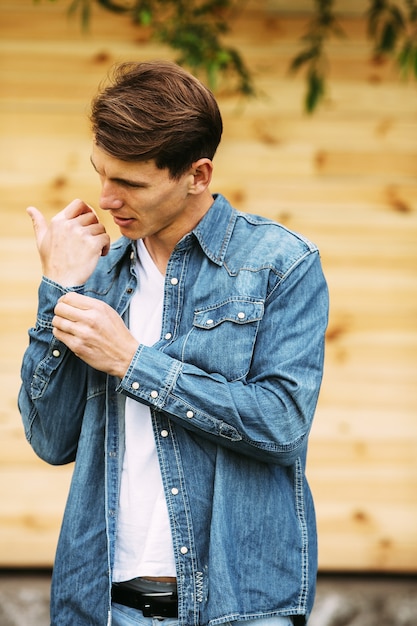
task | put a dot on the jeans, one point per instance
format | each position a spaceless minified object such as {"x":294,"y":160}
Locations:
{"x":125,"y":616}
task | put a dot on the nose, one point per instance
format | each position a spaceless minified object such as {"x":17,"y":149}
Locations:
{"x":109,"y":197}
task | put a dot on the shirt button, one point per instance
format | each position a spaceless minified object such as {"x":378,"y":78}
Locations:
{"x":184,"y":550}
{"x":56,"y":353}
{"x":241,"y":315}
{"x":164,"y":433}
{"x":209,"y":322}
{"x":129,"y":290}
{"x":190,"y":414}
{"x":132,"y":255}
{"x":174,"y":281}
{"x":174,"y":491}
{"x":168,"y":336}
{"x":154,"y":394}
{"x":135,"y":385}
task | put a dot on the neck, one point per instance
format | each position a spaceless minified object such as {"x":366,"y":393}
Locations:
{"x":158,"y":252}
{"x":161,"y":245}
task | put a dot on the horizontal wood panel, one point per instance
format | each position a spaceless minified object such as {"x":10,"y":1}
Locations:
{"x":368,"y":543}
{"x":345,"y":177}
{"x":31,"y":513}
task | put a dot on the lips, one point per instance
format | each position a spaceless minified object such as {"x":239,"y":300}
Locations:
{"x":122,"y":221}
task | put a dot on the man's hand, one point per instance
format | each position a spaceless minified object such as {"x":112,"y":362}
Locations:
{"x":94,"y":332}
{"x":70,"y":246}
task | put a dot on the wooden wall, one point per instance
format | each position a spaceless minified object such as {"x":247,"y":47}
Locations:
{"x":346,"y":178}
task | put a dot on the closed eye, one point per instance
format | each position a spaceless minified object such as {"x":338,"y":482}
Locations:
{"x":129,"y":183}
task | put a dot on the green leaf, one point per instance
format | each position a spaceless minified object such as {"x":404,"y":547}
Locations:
{"x":145,"y":18}
{"x":415,"y":62}
{"x":388,"y":38}
{"x":113,"y":6}
{"x":315,"y":91}
{"x":374,"y":15}
{"x":85,"y":15}
{"x":302,"y":58}
{"x":72,"y":7}
{"x":84,"y":7}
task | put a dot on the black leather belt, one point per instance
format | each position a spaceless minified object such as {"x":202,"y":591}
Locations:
{"x":152,"y":597}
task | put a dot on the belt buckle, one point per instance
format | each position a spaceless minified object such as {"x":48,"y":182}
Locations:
{"x":155,"y":599}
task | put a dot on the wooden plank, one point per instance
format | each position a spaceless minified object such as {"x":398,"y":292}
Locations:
{"x":22,"y":119}
{"x":366,"y":541}
{"x":32,"y":504}
{"x":345,"y":177}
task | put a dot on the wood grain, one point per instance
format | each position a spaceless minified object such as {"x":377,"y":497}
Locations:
{"x":345,"y":177}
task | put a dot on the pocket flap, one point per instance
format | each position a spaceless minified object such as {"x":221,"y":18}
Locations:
{"x":238,"y":311}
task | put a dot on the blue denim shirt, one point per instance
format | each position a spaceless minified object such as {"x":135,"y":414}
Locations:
{"x":232,"y":385}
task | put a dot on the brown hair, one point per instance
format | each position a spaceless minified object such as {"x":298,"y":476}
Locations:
{"x":156,"y":110}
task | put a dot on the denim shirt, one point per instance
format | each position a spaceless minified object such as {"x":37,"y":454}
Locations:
{"x":232,"y":385}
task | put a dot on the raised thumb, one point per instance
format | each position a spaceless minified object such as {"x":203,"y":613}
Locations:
{"x":39,"y":223}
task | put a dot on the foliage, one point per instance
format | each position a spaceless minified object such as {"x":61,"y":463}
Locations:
{"x":195,"y":28}
{"x":322,"y":26}
{"x":392,"y":26}
{"x":394,"y":31}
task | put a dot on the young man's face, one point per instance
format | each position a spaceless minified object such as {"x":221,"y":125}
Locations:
{"x":142,"y":199}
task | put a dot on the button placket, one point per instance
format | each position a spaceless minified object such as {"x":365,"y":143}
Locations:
{"x":171,"y":298}
{"x":175,"y":493}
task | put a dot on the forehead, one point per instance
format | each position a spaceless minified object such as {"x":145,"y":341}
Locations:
{"x":111,"y":167}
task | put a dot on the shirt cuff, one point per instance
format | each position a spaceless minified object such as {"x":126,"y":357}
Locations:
{"x":150,"y":377}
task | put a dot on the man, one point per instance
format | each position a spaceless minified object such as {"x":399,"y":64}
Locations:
{"x":180,"y":369}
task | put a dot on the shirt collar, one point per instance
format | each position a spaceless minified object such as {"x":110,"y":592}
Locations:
{"x":213,"y":233}
{"x":215,"y":229}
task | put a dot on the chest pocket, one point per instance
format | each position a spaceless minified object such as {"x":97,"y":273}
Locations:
{"x":223,"y":337}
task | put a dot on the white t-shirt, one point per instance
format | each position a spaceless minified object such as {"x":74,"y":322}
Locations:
{"x":143,"y":540}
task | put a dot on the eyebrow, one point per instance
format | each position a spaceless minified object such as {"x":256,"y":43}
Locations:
{"x":116,"y":179}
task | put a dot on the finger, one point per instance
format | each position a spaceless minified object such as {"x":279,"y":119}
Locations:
{"x":66,"y":311}
{"x":102,"y":240}
{"x":77,"y":207}
{"x":62,"y":325}
{"x":78,"y":301}
{"x":92,"y":210}
{"x":105,"y":244}
{"x":39,"y":223}
{"x":90,"y":220}
{"x":99,"y":231}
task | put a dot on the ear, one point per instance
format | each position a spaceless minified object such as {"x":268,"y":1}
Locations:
{"x":200,"y":176}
